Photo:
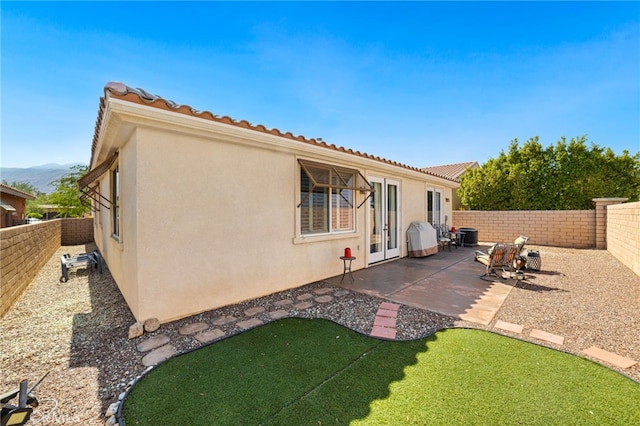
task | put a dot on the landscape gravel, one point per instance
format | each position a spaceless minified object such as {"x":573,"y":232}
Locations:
{"x":78,"y":330}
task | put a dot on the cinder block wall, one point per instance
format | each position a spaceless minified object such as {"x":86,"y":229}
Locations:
{"x":25,"y":249}
{"x":77,"y":231}
{"x":623,"y":234}
{"x":559,"y":228}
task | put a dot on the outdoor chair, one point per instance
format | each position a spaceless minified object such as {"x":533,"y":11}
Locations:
{"x":503,"y":258}
{"x":443,"y":236}
{"x":521,"y":241}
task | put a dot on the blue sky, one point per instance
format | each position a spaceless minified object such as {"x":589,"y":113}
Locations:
{"x":421,"y":83}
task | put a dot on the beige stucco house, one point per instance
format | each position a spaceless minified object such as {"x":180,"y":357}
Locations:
{"x":454,"y":172}
{"x":195,"y":211}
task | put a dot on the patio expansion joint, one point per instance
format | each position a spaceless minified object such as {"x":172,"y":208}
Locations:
{"x":407,"y":285}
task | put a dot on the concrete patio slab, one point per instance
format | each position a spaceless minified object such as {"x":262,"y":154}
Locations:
{"x":447,"y":283}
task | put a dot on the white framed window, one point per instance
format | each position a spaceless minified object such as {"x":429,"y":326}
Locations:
{"x":327,"y":199}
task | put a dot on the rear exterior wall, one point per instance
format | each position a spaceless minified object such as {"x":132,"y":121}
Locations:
{"x":240,"y":238}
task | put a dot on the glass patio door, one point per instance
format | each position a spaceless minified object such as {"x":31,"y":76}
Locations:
{"x":384,"y":220}
{"x":434,"y":206}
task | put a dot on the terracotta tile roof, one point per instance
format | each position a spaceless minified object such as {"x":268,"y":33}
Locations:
{"x":16,"y":192}
{"x":139,"y":96}
{"x":451,"y":171}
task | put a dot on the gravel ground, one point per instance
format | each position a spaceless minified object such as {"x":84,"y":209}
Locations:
{"x":586,"y":296}
{"x":78,"y":330}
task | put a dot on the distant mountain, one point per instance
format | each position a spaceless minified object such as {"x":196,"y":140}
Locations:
{"x":54,"y":166}
{"x":38,"y":176}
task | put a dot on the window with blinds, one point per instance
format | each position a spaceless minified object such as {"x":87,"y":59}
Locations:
{"x":326,"y":199}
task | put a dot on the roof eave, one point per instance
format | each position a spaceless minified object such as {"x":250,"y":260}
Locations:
{"x":123,"y":92}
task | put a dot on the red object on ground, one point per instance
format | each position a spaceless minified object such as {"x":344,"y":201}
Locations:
{"x":347,"y":252}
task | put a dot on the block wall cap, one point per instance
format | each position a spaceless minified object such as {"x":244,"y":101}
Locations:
{"x":603,"y":200}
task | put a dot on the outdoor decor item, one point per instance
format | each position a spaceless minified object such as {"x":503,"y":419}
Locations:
{"x":534,"y":261}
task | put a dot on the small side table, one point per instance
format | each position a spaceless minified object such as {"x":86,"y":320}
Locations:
{"x":347,"y":267}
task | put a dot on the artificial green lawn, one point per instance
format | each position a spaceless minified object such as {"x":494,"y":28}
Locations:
{"x":301,"y":371}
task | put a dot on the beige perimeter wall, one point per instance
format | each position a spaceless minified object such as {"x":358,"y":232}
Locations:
{"x":623,"y":234}
{"x":25,"y":249}
{"x":559,"y":228}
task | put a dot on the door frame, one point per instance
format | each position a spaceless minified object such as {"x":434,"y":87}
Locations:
{"x":382,"y":201}
{"x":437,"y":216}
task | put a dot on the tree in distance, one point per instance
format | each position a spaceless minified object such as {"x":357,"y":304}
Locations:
{"x":67,"y":194}
{"x":567,"y":176}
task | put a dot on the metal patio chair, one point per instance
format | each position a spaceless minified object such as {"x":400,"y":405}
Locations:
{"x":443,"y":236}
{"x":502,"y":258}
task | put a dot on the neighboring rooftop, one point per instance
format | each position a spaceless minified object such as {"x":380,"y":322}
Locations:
{"x":139,"y":96}
{"x":15,"y":192}
{"x":451,"y":171}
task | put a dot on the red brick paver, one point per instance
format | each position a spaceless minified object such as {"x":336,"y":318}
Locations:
{"x":384,"y":322}
{"x":387,"y":313}
{"x":384,"y":332}
{"x":389,"y":306}
{"x":384,"y":325}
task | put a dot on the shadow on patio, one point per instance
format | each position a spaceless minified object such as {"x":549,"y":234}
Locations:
{"x":447,"y":283}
